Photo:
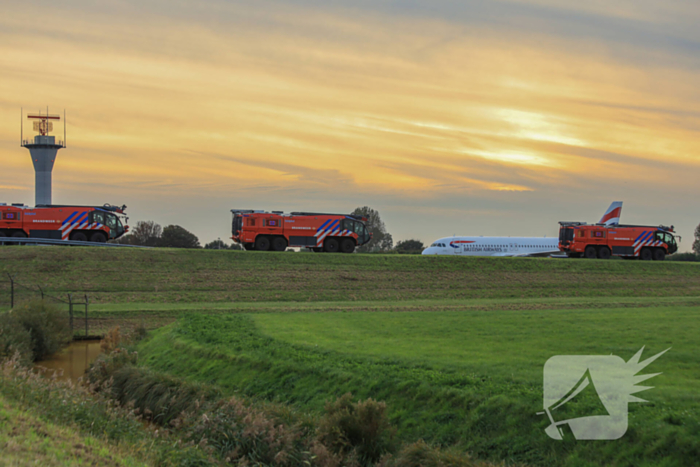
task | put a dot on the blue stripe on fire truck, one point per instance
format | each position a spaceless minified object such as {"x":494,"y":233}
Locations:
{"x":70,"y":217}
{"x":79,"y":219}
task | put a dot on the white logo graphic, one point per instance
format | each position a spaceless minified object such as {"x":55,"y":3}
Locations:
{"x":587,"y":395}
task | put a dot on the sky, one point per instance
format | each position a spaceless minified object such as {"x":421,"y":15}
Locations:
{"x":447,"y":116}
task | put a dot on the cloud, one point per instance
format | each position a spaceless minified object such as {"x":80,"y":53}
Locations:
{"x":489,"y":109}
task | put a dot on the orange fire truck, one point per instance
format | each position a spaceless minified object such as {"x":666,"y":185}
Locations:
{"x":579,"y":239}
{"x":78,"y":223}
{"x":263,"y":231}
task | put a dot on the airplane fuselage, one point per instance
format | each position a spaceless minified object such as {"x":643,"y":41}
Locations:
{"x":494,"y":246}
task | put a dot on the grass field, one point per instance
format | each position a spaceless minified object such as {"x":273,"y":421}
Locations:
{"x":455,"y":346}
{"x":472,"y":378}
{"x":179,"y":276}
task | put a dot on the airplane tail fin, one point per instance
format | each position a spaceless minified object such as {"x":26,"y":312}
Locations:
{"x":612,"y":215}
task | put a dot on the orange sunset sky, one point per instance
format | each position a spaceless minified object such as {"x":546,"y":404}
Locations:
{"x":449,"y":117}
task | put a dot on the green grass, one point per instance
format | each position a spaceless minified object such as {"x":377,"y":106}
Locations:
{"x":471,"y":378}
{"x":219,"y":276}
{"x":26,"y":439}
{"x":455,"y":346}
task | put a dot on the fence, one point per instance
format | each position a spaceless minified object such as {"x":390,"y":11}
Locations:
{"x":13,"y":293}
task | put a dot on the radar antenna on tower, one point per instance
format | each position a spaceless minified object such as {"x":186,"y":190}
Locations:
{"x":43,"y":150}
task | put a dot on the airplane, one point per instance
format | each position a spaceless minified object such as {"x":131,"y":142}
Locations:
{"x":510,"y":246}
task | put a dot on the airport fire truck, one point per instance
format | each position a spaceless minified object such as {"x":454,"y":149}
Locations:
{"x":579,"y":239}
{"x":79,"y":223}
{"x":263,"y":231}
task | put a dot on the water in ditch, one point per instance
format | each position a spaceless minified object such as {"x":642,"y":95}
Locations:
{"x":74,"y":360}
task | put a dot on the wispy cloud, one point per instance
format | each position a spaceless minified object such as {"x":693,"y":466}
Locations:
{"x":528,"y":108}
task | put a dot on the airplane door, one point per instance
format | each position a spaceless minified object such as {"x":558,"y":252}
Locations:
{"x":459,"y":249}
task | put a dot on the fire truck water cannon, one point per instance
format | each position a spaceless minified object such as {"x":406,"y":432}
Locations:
{"x":320,"y":232}
{"x":579,"y":239}
{"x":63,"y":222}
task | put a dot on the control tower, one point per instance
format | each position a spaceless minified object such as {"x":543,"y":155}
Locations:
{"x":43,"y":150}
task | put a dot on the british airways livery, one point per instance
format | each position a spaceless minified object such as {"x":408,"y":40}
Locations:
{"x":510,"y":246}
{"x":494,"y":246}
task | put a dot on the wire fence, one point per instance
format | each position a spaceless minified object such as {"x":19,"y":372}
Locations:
{"x":13,"y":293}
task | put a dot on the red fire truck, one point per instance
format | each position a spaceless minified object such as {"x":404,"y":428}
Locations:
{"x":79,"y":223}
{"x":579,"y":239}
{"x":260,"y":230}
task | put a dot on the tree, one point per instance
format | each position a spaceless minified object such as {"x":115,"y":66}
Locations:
{"x":175,"y":236}
{"x":146,"y":233}
{"x":411,"y":247}
{"x":696,"y":243}
{"x":219,"y":244}
{"x":381,"y":239}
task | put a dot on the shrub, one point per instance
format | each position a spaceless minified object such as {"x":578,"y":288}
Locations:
{"x":112,"y":340}
{"x":105,"y":365}
{"x":47,"y":326}
{"x":360,"y":428}
{"x":420,"y":454}
{"x":14,"y":339}
{"x":238,"y":432}
{"x":160,"y":398}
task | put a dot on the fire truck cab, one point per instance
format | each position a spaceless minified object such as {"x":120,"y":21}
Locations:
{"x":332,"y":233}
{"x":579,"y":239}
{"x":78,"y":223}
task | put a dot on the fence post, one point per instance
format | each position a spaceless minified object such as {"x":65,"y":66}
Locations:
{"x":41,"y":291}
{"x":70,"y":310}
{"x":86,"y":315}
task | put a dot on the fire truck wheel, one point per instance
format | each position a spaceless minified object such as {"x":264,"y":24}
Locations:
{"x":331,"y":245}
{"x":659,"y":254}
{"x":347,"y":246}
{"x":19,"y":235}
{"x":279,"y":244}
{"x":98,"y":237}
{"x":78,"y":237}
{"x":604,"y":253}
{"x":262,"y":243}
{"x":590,"y":252}
{"x":3,"y":233}
{"x":645,"y":255}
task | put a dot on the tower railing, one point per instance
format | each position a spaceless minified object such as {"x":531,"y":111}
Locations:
{"x":30,"y":142}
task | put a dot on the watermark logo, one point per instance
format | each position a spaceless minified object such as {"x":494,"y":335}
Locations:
{"x":586,"y":396}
